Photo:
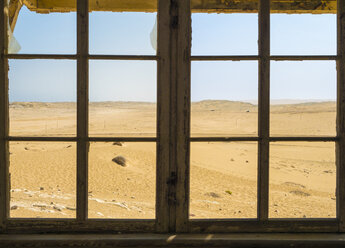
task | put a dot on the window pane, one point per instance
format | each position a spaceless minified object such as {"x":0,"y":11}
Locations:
{"x":42,"y":28}
{"x":302,"y":180}
{"x":122,"y":180}
{"x":122,"y":27}
{"x":303,"y":28}
{"x":43,"y":179}
{"x":42,"y":95}
{"x":303,"y":98}
{"x":223,"y":180}
{"x":123,"y":98}
{"x":225,"y":33}
{"x":224,"y":98}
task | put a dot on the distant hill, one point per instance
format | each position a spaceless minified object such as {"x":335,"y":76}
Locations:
{"x":206,"y":105}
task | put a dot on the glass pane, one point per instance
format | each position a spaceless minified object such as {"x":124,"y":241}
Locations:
{"x":43,"y":179}
{"x":303,"y":28}
{"x":302,"y":180}
{"x":42,"y":95}
{"x":42,"y":28}
{"x":123,"y":27}
{"x":122,"y":180}
{"x":123,"y":98}
{"x":223,"y":180}
{"x":216,"y":30}
{"x":224,"y":98}
{"x":303,"y":98}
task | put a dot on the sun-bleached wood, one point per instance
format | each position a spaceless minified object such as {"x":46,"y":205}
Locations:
{"x":340,"y":144}
{"x":182,"y":29}
{"x":203,"y":6}
{"x":175,"y":240}
{"x":163,"y":117}
{"x":82,"y":108}
{"x":263,"y":109}
{"x":173,"y":113}
{"x":4,"y":121}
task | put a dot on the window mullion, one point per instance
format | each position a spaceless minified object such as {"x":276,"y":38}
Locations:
{"x":82,"y":107}
{"x":173,"y":115}
{"x":183,"y":99}
{"x":4,"y":120}
{"x":264,"y":108}
{"x":340,"y":144}
{"x":163,"y":116}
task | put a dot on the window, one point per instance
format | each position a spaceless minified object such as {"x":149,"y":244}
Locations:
{"x":175,"y":87}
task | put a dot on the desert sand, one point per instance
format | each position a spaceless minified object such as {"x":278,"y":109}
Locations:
{"x":223,"y":175}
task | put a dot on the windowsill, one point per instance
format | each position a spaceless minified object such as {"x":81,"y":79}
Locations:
{"x":170,"y":240}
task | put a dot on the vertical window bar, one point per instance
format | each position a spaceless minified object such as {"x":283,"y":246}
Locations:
{"x":183,"y":95}
{"x":163,"y":116}
{"x":172,"y":181}
{"x":264,"y":108}
{"x":340,"y":144}
{"x":82,"y":107}
{"x":4,"y":120}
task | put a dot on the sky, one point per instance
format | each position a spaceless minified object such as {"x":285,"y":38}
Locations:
{"x":212,"y":34}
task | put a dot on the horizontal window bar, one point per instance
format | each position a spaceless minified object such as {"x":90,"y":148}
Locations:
{"x":254,"y":225}
{"x":272,"y":139}
{"x":75,"y":56}
{"x":153,"y":57}
{"x":329,"y":139}
{"x":153,"y":139}
{"x":122,"y":139}
{"x":221,"y":57}
{"x":91,"y":139}
{"x":41,"y":56}
{"x":62,"y":139}
{"x":303,"y":57}
{"x":19,"y":225}
{"x":123,"y":57}
{"x":222,"y":139}
{"x":256,"y":57}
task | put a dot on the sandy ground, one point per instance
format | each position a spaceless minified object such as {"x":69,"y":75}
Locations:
{"x":223,"y":175}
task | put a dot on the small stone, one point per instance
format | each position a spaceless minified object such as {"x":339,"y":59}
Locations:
{"x":117,"y":144}
{"x":120,"y":160}
{"x":41,"y":188}
{"x":57,"y":208}
{"x":14,"y":207}
{"x":247,"y":161}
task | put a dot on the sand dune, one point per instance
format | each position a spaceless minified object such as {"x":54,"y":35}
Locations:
{"x":223,"y":175}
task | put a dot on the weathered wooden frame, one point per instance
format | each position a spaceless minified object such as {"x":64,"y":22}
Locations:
{"x":263,"y":223}
{"x":173,"y":132}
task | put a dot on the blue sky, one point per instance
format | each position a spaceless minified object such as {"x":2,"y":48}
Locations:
{"x":213,"y":34}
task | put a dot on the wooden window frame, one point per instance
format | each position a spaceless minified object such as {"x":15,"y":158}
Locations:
{"x":173,"y":132}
